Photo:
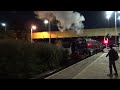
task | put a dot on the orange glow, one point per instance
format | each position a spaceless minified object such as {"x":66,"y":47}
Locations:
{"x":45,"y":34}
{"x":37,"y":35}
{"x":54,"y":34}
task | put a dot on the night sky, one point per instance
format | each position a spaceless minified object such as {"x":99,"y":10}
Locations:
{"x":23,"y":19}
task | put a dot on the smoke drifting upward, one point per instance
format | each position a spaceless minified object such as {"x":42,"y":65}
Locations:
{"x":67,"y":19}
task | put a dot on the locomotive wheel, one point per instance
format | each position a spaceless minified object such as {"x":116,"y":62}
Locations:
{"x":85,"y":55}
{"x":89,"y":53}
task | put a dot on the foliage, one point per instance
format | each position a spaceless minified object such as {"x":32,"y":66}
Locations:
{"x":21,"y":60}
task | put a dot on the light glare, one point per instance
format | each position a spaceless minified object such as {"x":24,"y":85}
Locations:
{"x":34,"y":27}
{"x":46,"y":21}
{"x":108,"y":16}
{"x":118,"y":11}
{"x":3,"y":24}
{"x":118,"y":18}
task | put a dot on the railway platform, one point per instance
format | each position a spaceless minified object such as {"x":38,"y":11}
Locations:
{"x":94,"y":67}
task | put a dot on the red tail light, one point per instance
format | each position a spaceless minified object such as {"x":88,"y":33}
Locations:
{"x":89,"y":44}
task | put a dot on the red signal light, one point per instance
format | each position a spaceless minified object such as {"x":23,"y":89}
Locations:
{"x":105,"y":40}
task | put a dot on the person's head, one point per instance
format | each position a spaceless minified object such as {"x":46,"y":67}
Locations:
{"x":111,"y":46}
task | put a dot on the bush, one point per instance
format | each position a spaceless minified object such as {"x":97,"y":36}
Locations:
{"x":21,"y":60}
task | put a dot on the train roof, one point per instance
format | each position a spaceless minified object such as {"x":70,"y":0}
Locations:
{"x":89,"y":39}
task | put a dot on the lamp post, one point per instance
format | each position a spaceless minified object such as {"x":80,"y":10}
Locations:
{"x":4,"y":25}
{"x":119,"y":33}
{"x":48,"y":22}
{"x":116,"y":33}
{"x":115,"y":29}
{"x":108,"y":17}
{"x":33,"y":27}
{"x":118,"y":19}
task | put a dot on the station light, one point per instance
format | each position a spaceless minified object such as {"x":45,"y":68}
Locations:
{"x":3,"y":24}
{"x":33,"y":27}
{"x":46,"y":21}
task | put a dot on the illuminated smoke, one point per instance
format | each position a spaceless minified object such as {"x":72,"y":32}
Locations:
{"x":67,"y":19}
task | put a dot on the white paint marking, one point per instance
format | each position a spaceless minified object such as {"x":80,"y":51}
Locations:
{"x":88,"y":66}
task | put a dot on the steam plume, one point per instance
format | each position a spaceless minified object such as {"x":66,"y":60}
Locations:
{"x":67,"y":19}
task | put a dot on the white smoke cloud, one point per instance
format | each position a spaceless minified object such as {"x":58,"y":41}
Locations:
{"x":67,"y":19}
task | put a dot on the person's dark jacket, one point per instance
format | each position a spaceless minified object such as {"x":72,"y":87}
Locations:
{"x":111,"y":54}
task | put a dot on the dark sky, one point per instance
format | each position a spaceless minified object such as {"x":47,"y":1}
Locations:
{"x":21,"y":19}
{"x":97,"y":19}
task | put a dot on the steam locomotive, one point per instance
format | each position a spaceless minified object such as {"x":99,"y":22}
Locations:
{"x":83,"y":46}
{"x":88,"y":46}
